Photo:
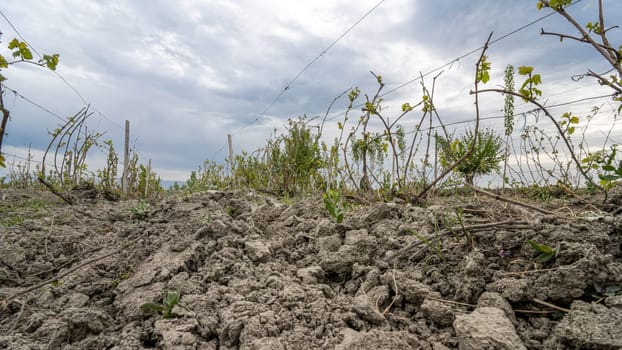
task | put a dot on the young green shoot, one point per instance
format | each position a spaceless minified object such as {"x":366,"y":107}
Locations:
{"x":547,"y":253}
{"x":140,"y":211}
{"x":168,"y":304}
{"x":334,"y":204}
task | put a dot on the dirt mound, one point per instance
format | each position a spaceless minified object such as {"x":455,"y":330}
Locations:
{"x":254,"y":273}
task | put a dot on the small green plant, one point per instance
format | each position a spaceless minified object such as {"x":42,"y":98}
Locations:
{"x":168,"y":303}
{"x":434,"y":243}
{"x":108,"y":174}
{"x":140,"y":211}
{"x":230,"y":211}
{"x":528,"y":90}
{"x":450,"y":222}
{"x":148,"y":182}
{"x":334,"y":204}
{"x":15,"y":213}
{"x":547,"y":253}
{"x":207,"y":220}
{"x":209,"y":176}
{"x":484,"y":159}
{"x":605,"y":163}
{"x":568,"y":123}
{"x":55,"y":283}
{"x":120,"y":277}
{"x":605,"y":291}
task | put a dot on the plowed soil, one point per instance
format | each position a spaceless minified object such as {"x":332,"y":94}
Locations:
{"x":255,"y":272}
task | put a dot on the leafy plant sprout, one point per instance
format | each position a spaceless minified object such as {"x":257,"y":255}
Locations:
{"x":140,"y":210}
{"x":168,"y":304}
{"x":547,"y":253}
{"x":334,"y":204}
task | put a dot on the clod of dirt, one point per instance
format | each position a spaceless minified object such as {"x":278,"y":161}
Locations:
{"x":438,"y":312}
{"x":614,"y":302}
{"x":512,"y":289}
{"x":374,"y":340}
{"x":487,"y":328}
{"x":589,"y":326}
{"x":488,"y":299}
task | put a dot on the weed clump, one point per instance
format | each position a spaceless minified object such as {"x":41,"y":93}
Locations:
{"x":485,"y":157}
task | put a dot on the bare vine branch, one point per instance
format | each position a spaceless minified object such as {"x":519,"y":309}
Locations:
{"x":612,"y":59}
{"x":557,"y":126}
{"x":475,"y":133}
{"x":583,"y":40}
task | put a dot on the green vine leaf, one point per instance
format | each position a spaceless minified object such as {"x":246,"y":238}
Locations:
{"x":525,"y":70}
{"x":22,"y":51}
{"x":50,"y":61}
{"x":3,"y":62}
{"x":483,"y":74}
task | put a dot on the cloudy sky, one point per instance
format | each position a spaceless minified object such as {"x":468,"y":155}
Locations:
{"x":186,"y":73}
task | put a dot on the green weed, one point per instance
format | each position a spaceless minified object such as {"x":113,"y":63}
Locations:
{"x":168,"y":304}
{"x":605,"y":291}
{"x":334,"y":204}
{"x":547,"y":253}
{"x":140,"y":211}
{"x":608,"y":167}
{"x":12,"y":214}
{"x":484,"y":159}
{"x":434,"y":244}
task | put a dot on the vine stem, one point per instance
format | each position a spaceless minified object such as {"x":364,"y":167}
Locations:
{"x":612,"y":60}
{"x":475,"y":133}
{"x":557,"y":126}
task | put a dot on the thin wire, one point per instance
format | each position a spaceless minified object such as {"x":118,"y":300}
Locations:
{"x":15,"y":156}
{"x":56,"y":72}
{"x":289,"y":85}
{"x":62,"y":119}
{"x":108,"y":119}
{"x":474,"y":50}
{"x":18,"y":33}
{"x":514,"y":115}
{"x":23,"y":158}
{"x":40,"y":56}
{"x":457,"y":59}
{"x":548,"y":97}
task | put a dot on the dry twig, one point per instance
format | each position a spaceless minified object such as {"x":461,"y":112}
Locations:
{"x":444,"y":232}
{"x":394,"y":297}
{"x":19,"y":316}
{"x":472,"y":146}
{"x":541,"y":302}
{"x":450,"y":301}
{"x":508,"y":200}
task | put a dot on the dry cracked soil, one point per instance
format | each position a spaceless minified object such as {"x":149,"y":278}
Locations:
{"x":258,"y":273}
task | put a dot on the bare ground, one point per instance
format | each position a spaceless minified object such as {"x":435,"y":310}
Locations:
{"x":256,"y":273}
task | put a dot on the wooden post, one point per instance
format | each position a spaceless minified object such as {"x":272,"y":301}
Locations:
{"x":230,"y":142}
{"x":126,"y":160}
{"x":147,"y":178}
{"x":435,"y":159}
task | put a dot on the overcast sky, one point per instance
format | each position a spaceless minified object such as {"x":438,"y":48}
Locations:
{"x":187,"y":73}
